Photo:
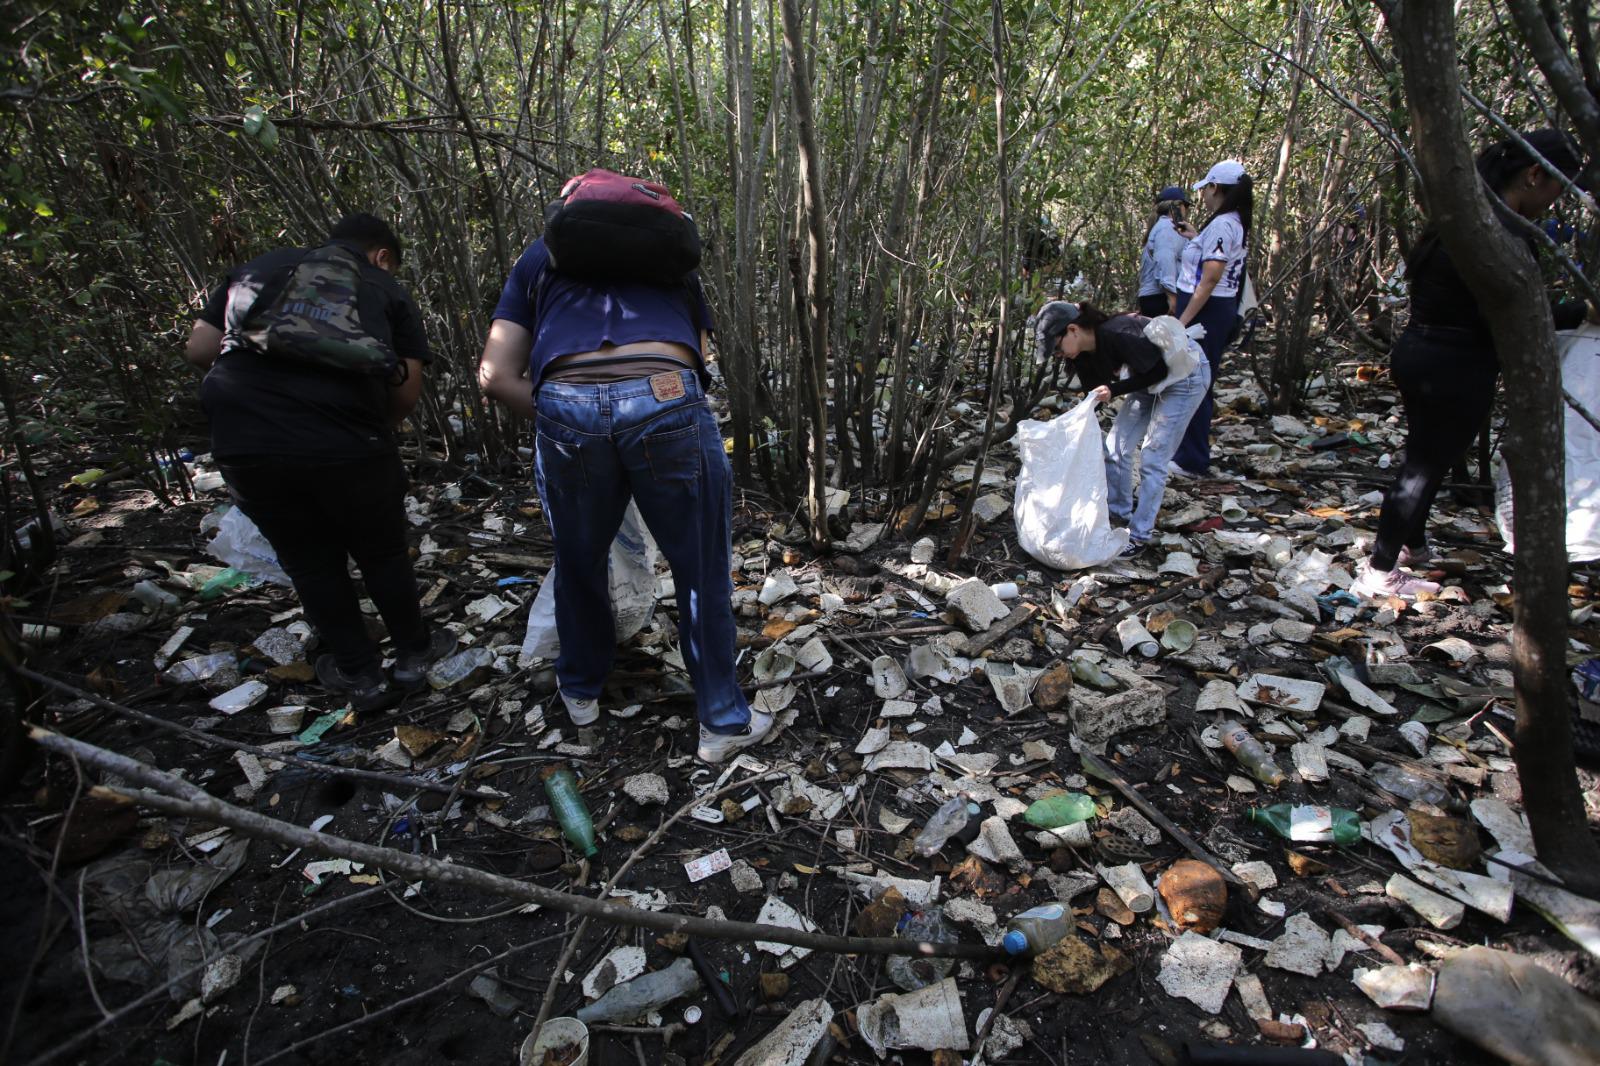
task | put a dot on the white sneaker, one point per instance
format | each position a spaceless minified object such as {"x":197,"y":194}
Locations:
{"x":1373,"y":584}
{"x":1174,"y":470}
{"x":582,"y":712}
{"x":714,"y":747}
{"x":1417,"y":559}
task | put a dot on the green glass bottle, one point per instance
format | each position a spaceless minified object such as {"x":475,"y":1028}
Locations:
{"x":1060,"y":809}
{"x":1308,"y":824}
{"x":561,"y":786}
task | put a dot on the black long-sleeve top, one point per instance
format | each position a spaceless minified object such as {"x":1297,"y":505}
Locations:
{"x":1440,"y":296}
{"x":1120,"y":342}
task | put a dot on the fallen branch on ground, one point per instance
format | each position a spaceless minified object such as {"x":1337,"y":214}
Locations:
{"x":179,"y":797}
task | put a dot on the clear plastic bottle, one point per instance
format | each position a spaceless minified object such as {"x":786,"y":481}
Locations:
{"x":1251,"y":753}
{"x":912,"y":972}
{"x":1037,"y":929}
{"x":561,"y":785}
{"x":946,"y":822}
{"x":458,"y":667}
{"x":633,"y":999}
{"x":1410,"y":786}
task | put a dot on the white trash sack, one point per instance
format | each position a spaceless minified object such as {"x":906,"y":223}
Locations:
{"x":633,"y":591}
{"x":1060,"y":503}
{"x":1580,"y":376}
{"x":239,"y":543}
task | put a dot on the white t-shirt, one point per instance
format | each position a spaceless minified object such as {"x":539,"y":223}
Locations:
{"x":1221,"y":241}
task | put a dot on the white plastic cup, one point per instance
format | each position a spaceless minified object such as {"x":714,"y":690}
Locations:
{"x":1231,"y":511}
{"x":1136,"y":639}
{"x":556,"y":1033}
{"x":1266,"y":451}
{"x":285,"y":719}
{"x":1006,"y":590}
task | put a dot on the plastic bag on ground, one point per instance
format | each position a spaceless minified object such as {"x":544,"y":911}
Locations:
{"x":240,"y":544}
{"x":1060,"y":504}
{"x":633,"y":591}
{"x":1580,"y":376}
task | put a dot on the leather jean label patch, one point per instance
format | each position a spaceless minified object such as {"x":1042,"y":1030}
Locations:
{"x":668,"y":386}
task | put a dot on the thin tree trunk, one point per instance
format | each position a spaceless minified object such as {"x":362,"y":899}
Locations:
{"x":1506,"y":283}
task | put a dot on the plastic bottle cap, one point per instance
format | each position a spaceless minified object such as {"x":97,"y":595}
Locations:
{"x":1014,"y":942}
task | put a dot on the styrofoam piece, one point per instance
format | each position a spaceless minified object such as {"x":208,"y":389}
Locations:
{"x":1200,"y":970}
{"x":1128,"y":882}
{"x":1284,"y":693}
{"x":1439,"y":911}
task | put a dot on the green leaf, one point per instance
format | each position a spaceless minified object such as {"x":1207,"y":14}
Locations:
{"x":233,"y":60}
{"x":268,"y":135}
{"x":42,"y":209}
{"x":254,"y":119}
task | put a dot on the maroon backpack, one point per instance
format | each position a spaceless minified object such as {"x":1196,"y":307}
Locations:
{"x":609,"y":227}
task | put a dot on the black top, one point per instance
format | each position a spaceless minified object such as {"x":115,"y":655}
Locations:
{"x":1120,"y":342}
{"x":1440,"y":298}
{"x":263,"y":406}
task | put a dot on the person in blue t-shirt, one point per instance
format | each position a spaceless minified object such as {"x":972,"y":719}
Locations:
{"x":614,"y":375}
{"x":1163,"y":246}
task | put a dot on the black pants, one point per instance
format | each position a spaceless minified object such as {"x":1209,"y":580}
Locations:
{"x":1154,"y":306}
{"x":316,"y":517}
{"x":1447,"y":380}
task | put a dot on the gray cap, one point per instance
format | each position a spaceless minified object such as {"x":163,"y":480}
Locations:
{"x":1048,"y":326}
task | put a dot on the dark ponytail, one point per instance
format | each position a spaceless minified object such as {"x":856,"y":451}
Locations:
{"x":1500,"y":163}
{"x":1090,"y":316}
{"x":1240,"y":198}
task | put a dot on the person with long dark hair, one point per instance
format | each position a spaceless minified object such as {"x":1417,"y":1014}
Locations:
{"x":1163,"y":246}
{"x":1445,"y":363}
{"x":1110,"y":357}
{"x":1210,"y":278}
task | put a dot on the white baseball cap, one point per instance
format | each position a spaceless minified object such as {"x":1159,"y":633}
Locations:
{"x":1227,"y":172}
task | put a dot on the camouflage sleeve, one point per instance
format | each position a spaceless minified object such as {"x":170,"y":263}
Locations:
{"x":215,"y":312}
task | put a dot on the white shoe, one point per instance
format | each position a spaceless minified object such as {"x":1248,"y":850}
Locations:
{"x":1174,"y":470}
{"x":582,"y":712}
{"x":1373,"y":584}
{"x":714,"y":747}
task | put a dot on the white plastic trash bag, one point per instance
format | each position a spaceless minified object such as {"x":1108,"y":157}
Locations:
{"x":240,"y":544}
{"x":1180,"y":348}
{"x":1060,"y":504}
{"x":1580,"y":375}
{"x":633,"y":591}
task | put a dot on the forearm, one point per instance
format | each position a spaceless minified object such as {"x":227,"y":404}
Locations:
{"x":514,"y":394}
{"x":1197,"y":300}
{"x":503,"y":370}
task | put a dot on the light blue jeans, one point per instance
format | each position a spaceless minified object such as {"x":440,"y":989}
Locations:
{"x":599,"y":446}
{"x":1149,"y":427}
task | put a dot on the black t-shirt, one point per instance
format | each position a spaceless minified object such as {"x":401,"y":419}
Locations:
{"x":264,"y":406}
{"x":1120,"y":342}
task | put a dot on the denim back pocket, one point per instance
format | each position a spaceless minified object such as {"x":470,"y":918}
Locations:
{"x":674,"y":454}
{"x":560,"y":464}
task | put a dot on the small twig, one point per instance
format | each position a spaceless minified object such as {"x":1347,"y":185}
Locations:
{"x":83,"y":944}
{"x":999,"y":1005}
{"x":1390,"y":954}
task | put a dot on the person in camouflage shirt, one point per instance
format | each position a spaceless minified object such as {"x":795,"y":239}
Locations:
{"x":312,"y":358}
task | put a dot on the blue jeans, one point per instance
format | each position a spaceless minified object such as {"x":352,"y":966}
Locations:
{"x":1150,"y":426}
{"x":1218,"y":317}
{"x":599,"y":445}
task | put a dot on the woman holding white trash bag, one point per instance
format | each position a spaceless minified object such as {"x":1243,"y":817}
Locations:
{"x":1118,"y":356}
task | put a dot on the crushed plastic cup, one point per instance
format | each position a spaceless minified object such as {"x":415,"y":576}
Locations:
{"x":153,"y":597}
{"x":1266,"y":451}
{"x":1179,"y":636}
{"x":1006,"y":590}
{"x":285,"y":719}
{"x":1231,"y":511}
{"x":557,"y":1034}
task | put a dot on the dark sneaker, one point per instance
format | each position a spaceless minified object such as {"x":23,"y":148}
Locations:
{"x":1134,"y":549}
{"x":714,"y":747}
{"x":368,"y":691}
{"x":411,"y":668}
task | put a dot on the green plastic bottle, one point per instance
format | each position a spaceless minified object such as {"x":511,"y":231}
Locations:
{"x":1060,"y":809}
{"x":561,"y":786}
{"x":1308,"y":824}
